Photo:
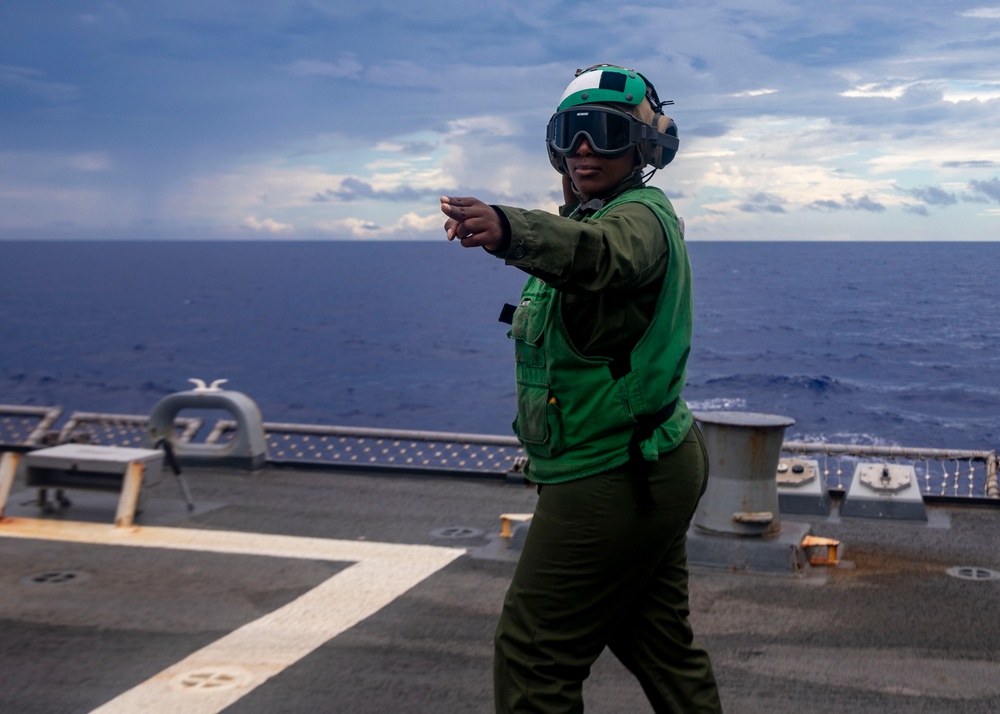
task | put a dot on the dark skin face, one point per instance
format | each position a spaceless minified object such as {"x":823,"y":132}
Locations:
{"x":595,"y":175}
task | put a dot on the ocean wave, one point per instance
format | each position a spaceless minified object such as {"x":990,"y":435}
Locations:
{"x":821,"y":384}
{"x":718,"y":404}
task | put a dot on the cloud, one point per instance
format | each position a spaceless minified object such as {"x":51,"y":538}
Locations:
{"x":356,"y":115}
{"x":409,"y":225}
{"x":354,"y":189}
{"x":934,"y":196}
{"x":267,"y":225}
{"x":987,"y":13}
{"x":989,"y":188}
{"x":971,"y":164}
{"x":755,"y":93}
{"x":849,"y":203}
{"x":826,"y":205}
{"x":864,"y":203}
{"x":763,"y":203}
{"x":709,"y":130}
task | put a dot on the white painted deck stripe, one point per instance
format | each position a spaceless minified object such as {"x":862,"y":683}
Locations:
{"x":262,"y":648}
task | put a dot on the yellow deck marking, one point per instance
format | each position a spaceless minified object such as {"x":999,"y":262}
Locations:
{"x":260,"y":649}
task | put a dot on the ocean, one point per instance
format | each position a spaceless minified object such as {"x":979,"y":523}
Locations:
{"x":864,"y":343}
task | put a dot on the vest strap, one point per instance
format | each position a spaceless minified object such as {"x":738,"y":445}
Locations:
{"x":647,"y":424}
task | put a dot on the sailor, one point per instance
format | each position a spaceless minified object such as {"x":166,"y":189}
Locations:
{"x":601,"y":337}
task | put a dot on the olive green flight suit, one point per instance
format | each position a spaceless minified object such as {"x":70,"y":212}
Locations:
{"x":596,"y":570}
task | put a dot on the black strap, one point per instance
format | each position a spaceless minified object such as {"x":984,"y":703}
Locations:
{"x":647,"y":424}
{"x":507,"y":313}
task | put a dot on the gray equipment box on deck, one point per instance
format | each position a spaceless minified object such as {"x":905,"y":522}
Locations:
{"x":84,"y":466}
{"x":94,"y":468}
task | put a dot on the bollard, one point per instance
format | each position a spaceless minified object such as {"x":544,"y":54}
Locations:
{"x":743,"y":452}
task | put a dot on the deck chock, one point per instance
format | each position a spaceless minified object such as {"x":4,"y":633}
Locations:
{"x":90,"y":468}
{"x":801,"y":488}
{"x":884,"y":491}
{"x":246,"y":450}
{"x":514,"y":529}
{"x":832,"y":550}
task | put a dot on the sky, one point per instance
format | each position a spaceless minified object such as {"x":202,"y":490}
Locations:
{"x":319,"y":120}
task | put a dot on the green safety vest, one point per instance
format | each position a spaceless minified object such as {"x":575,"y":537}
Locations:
{"x":574,"y":417}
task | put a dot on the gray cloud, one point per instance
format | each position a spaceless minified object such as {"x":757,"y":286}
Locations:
{"x":864,"y":203}
{"x":934,"y":196}
{"x":354,"y":189}
{"x":969,"y":164}
{"x":709,"y":130}
{"x":989,"y":188}
{"x":825,"y":206}
{"x":763,"y":203}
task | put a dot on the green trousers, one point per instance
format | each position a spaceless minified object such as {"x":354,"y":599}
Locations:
{"x":596,"y":573}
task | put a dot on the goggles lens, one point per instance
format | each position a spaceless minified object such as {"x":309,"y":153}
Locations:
{"x":607,"y":131}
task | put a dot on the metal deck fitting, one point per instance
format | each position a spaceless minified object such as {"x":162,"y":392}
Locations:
{"x":884,"y":491}
{"x":801,"y":489}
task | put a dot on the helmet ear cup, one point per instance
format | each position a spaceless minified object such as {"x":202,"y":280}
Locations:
{"x":660,"y":156}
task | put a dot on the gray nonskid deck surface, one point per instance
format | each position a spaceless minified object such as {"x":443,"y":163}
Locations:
{"x":890,"y":632}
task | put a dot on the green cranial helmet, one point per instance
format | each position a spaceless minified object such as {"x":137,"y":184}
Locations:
{"x":623,"y":91}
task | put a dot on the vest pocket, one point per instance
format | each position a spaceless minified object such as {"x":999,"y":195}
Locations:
{"x":537,"y":423}
{"x":527,"y":328}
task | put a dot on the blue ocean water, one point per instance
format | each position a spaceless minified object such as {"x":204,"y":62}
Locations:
{"x":871,"y":343}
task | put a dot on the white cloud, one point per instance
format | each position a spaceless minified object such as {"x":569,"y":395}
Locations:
{"x":267,"y":225}
{"x":755,"y":93}
{"x":972,"y":91}
{"x":989,"y":13}
{"x":410,"y":225}
{"x":878,"y":90}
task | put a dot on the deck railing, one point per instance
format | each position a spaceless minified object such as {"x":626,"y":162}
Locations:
{"x":942,"y":473}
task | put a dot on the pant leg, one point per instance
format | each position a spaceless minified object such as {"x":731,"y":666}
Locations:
{"x":554,"y":620}
{"x":653,"y":638}
{"x":588,"y":556}
{"x":655,"y":642}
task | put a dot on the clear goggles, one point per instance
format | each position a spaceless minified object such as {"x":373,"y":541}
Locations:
{"x":607,"y":130}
